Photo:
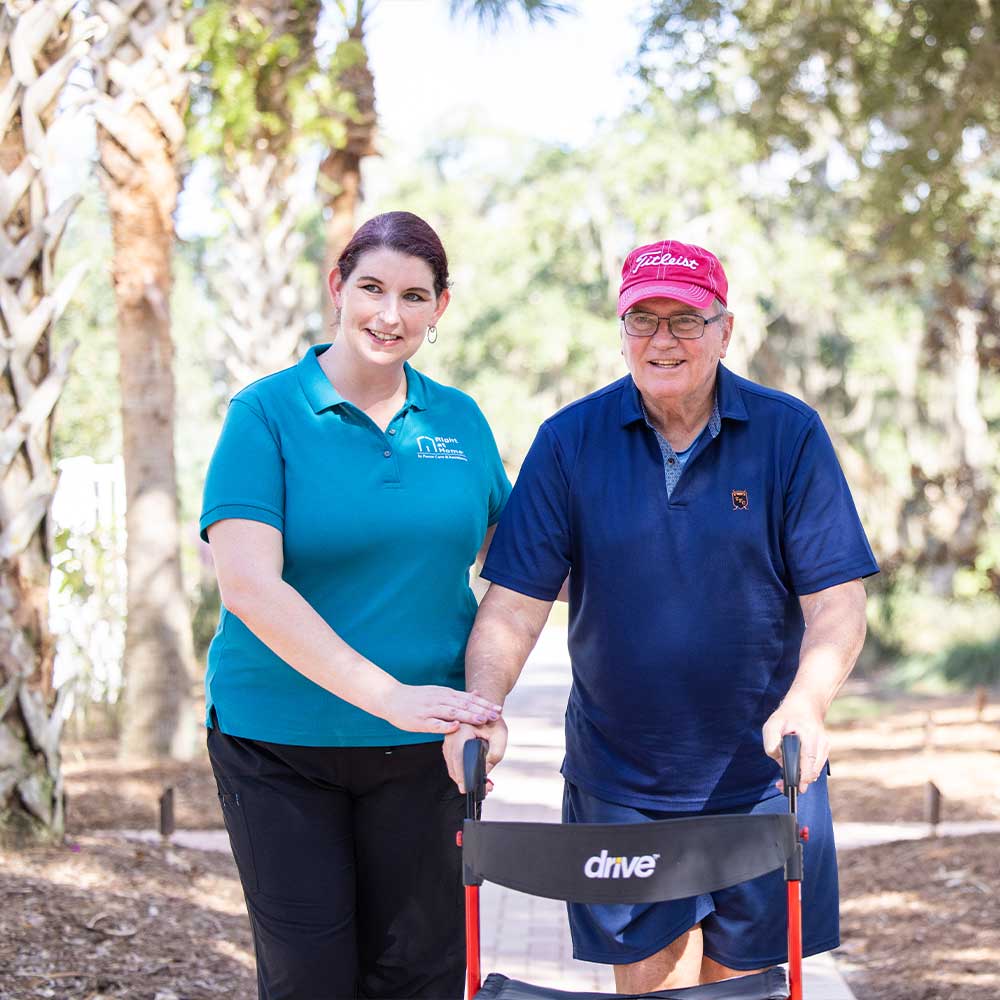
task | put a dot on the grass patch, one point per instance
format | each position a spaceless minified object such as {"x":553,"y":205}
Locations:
{"x":855,"y":708}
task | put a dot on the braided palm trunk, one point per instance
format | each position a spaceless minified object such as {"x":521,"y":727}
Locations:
{"x":266,"y":302}
{"x":39,"y":46}
{"x":142,"y":84}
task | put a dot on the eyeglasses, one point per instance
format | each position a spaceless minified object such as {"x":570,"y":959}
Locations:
{"x":684,"y":326}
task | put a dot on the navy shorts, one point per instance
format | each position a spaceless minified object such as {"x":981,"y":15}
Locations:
{"x":744,"y":926}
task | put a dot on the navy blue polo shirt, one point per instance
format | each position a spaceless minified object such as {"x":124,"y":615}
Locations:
{"x":379,"y":530}
{"x":684,"y":616}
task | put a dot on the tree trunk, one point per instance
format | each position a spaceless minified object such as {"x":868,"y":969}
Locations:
{"x":945,"y":521}
{"x":143,"y":84}
{"x":266,"y":304}
{"x":340,"y":172}
{"x":40,"y":44}
{"x":258,"y":273}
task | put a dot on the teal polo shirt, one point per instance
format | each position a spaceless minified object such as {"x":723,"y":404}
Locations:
{"x":380,"y":530}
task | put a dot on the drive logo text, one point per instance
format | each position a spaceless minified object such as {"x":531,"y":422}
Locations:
{"x":605,"y":866}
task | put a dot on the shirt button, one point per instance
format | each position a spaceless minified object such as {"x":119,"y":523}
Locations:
{"x":392,"y":430}
{"x":387,"y":453}
{"x":670,"y":461}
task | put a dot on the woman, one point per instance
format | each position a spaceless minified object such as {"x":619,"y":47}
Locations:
{"x":345,"y":502}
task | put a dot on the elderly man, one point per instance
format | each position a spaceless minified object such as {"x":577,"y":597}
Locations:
{"x":714,"y":561}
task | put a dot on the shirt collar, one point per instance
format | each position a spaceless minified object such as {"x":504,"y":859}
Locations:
{"x":316,"y":387}
{"x":631,"y":402}
{"x":728,"y":401}
{"x":416,"y":389}
{"x":321,"y":394}
{"x":729,"y":397}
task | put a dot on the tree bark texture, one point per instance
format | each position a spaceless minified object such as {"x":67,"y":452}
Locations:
{"x":143,"y":87}
{"x":267,"y":303}
{"x":340,"y":171}
{"x":40,"y":44}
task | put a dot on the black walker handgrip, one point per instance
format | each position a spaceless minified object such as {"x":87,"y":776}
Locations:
{"x":474,"y":773}
{"x":791,"y":772}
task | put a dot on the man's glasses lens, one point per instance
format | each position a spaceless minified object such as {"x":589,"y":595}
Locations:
{"x":640,"y":324}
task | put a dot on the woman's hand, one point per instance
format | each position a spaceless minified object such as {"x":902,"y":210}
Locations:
{"x":431,"y":709}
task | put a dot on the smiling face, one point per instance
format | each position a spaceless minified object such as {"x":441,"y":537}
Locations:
{"x":386,"y":304}
{"x":676,"y":375}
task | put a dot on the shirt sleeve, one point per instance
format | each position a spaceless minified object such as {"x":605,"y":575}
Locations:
{"x":824,"y":541}
{"x":246,"y":474}
{"x":531,"y":548}
{"x":499,"y":484}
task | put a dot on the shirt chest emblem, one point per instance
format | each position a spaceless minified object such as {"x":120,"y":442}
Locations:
{"x":440,"y":448}
{"x":741,"y":501}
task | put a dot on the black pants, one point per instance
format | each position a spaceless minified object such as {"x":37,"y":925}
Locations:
{"x":349,"y":866}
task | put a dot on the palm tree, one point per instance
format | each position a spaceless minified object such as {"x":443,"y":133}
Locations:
{"x":341,"y":169}
{"x":40,"y":44}
{"x":261,"y":93}
{"x":142,"y":84}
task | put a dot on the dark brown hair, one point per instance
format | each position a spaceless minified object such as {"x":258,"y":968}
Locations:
{"x":403,"y":232}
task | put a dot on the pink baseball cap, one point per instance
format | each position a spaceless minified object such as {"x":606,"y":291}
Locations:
{"x":672,"y":270}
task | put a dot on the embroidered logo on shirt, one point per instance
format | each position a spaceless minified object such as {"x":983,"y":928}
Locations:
{"x":440,"y":447}
{"x":740,"y":500}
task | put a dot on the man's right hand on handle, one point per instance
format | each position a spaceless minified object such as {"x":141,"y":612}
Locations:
{"x":495,"y":733}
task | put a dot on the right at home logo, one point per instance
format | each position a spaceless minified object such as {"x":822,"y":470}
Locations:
{"x":604,"y":865}
{"x":440,"y":447}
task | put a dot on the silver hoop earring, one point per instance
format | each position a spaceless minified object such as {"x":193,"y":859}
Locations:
{"x":432,"y":334}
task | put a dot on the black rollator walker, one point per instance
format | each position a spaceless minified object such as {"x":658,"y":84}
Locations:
{"x":632,"y":863}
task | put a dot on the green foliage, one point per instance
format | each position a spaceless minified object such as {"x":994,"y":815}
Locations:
{"x":959,"y":667}
{"x":853,"y":708}
{"x":970,"y":664}
{"x":205,"y":619}
{"x":901,"y":97}
{"x":259,"y":83}
{"x":72,"y":573}
{"x":894,"y":105}
{"x":87,"y":596}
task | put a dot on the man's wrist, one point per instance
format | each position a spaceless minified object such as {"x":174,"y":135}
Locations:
{"x":815,"y":702}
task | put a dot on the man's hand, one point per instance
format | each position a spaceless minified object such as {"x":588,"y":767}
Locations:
{"x":495,"y":733}
{"x":799,"y":715}
{"x":835,"y":631}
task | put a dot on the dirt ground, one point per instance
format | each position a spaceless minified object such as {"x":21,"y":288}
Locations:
{"x":100,"y":917}
{"x":920,"y":920}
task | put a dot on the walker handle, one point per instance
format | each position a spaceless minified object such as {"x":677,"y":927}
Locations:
{"x":474,"y":772}
{"x":791,"y":747}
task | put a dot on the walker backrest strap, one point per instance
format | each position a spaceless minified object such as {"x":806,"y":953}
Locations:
{"x":631,"y":863}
